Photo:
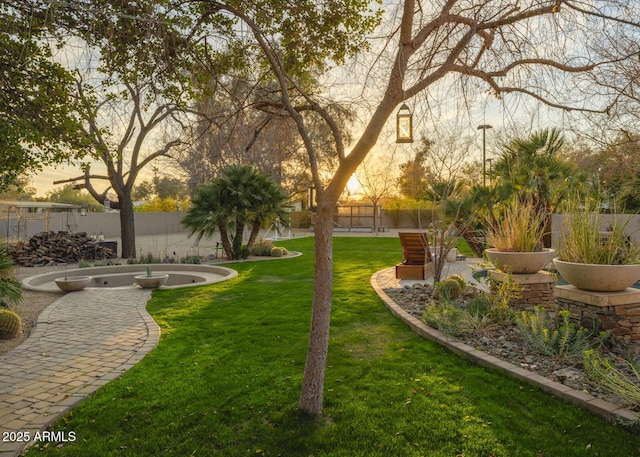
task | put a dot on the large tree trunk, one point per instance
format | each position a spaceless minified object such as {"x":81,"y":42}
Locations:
{"x":127,"y":228}
{"x":311,"y":399}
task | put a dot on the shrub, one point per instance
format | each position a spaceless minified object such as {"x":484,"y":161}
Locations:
{"x":191,"y":259}
{"x":476,"y":322}
{"x":494,"y":306}
{"x":482,"y":313}
{"x":444,"y":316}
{"x":10,"y":324}
{"x":503,"y":292}
{"x":262,"y":249}
{"x":564,"y":341}
{"x":10,"y":288}
{"x":148,"y":258}
{"x":604,"y":373}
{"x":455,"y":321}
{"x":481,"y":304}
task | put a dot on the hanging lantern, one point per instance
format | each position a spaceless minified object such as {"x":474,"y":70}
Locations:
{"x":312,"y":195}
{"x":404,"y":125}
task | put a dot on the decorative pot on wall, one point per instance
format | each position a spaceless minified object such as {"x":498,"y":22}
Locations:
{"x":598,"y":278}
{"x":520,"y":262}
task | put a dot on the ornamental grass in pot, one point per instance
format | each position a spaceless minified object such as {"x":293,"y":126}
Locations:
{"x":591,"y":258}
{"x":516,"y":239}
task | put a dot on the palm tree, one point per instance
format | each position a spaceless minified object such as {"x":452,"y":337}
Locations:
{"x":242,"y":196}
{"x":208,"y":213}
{"x":629,"y":196}
{"x":271,"y":203}
{"x":532,"y":170}
{"x":442,"y":190}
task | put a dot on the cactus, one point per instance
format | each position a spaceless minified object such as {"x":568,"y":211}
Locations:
{"x":10,"y":324}
{"x":284,"y":251}
{"x":276,"y":252}
{"x":459,"y":279}
{"x":449,"y":289}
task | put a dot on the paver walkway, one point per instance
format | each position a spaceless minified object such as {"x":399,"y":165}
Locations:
{"x":81,"y":342}
{"x":463,"y":268}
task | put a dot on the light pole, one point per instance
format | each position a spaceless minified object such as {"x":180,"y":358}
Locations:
{"x":490,"y":160}
{"x":484,"y":128}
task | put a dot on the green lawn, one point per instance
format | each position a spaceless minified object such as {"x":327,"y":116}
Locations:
{"x":225,"y":380}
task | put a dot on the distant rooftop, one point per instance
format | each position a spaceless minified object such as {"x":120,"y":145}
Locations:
{"x":37,"y":205}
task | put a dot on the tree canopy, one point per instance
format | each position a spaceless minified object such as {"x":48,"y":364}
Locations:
{"x":39,"y":124}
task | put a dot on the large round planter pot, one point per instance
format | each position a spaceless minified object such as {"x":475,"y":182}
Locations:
{"x":72,"y":283}
{"x":598,"y":278}
{"x":151,"y":282}
{"x":520,"y":262}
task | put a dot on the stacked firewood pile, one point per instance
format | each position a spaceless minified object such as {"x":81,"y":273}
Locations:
{"x":56,"y":248}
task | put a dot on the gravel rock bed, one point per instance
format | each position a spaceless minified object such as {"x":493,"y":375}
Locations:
{"x":508,"y":344}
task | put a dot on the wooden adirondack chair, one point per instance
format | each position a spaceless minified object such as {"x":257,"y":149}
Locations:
{"x":417,"y":261}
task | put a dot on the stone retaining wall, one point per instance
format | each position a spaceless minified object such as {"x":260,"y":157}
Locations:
{"x":535,"y":289}
{"x":616,"y":312}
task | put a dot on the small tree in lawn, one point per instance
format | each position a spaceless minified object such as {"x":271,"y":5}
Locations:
{"x":241,"y":197}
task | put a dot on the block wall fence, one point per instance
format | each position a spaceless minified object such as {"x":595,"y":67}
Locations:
{"x":148,"y":223}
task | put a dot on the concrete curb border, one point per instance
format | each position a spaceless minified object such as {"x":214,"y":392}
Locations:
{"x":610,"y":412}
